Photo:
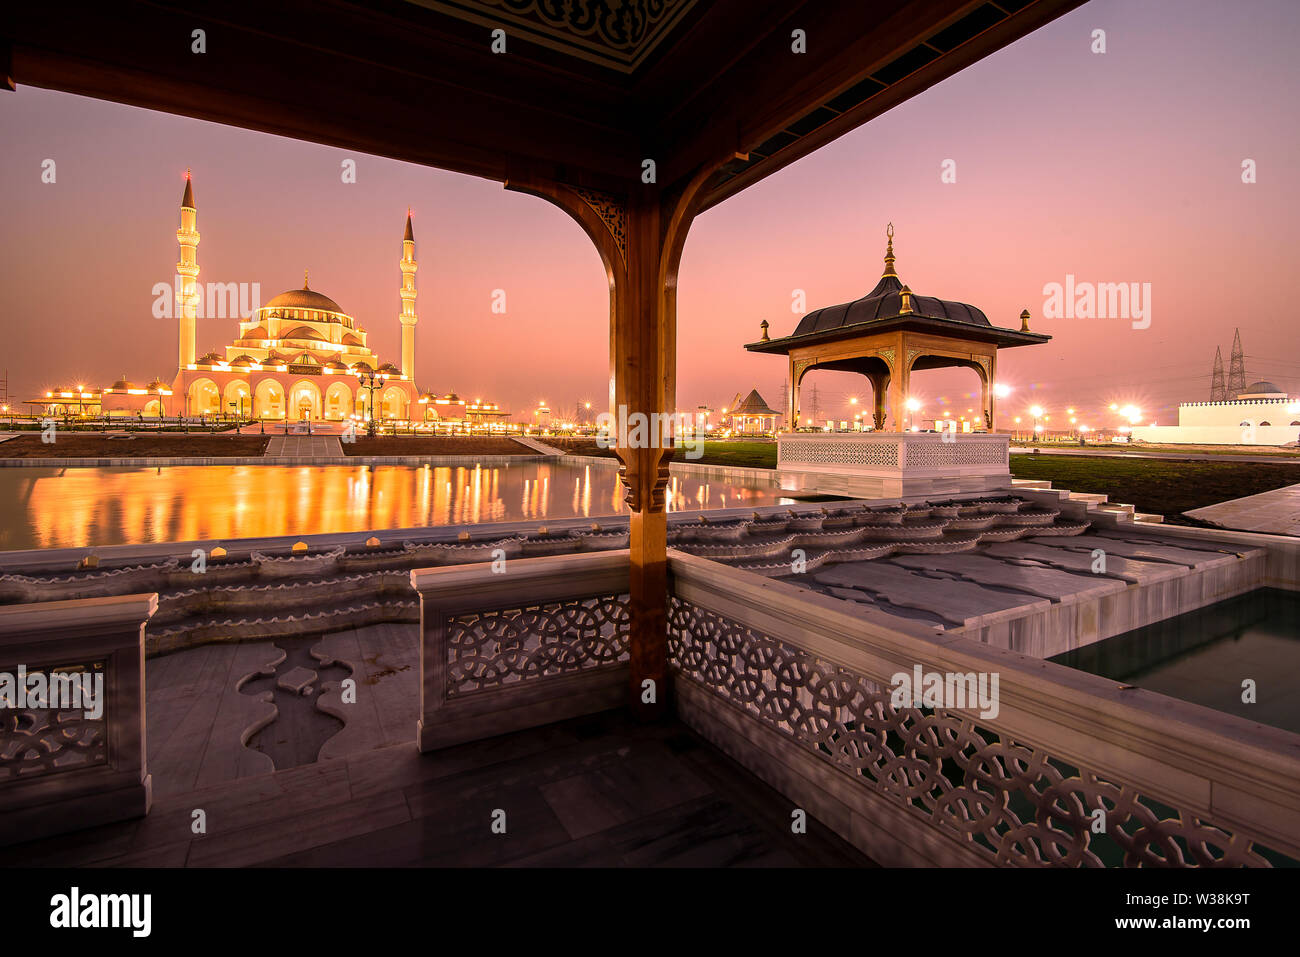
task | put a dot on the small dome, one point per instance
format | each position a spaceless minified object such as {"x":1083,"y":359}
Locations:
{"x":1262,"y":387}
{"x":336,"y":365}
{"x":302,"y":332}
{"x":122,"y":384}
{"x":210,"y":358}
{"x":362,"y":367}
{"x":389,"y":367}
{"x":244,"y":360}
{"x":157,"y":384}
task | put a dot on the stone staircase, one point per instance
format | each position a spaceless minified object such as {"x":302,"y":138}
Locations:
{"x":1085,"y":506}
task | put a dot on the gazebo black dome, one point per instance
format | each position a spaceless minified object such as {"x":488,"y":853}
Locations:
{"x":886,"y":302}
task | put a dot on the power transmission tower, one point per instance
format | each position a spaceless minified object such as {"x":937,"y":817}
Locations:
{"x":1217,"y":393}
{"x":1236,"y":368}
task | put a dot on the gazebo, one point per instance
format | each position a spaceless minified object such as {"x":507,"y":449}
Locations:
{"x":887,"y":335}
{"x":751,"y":415}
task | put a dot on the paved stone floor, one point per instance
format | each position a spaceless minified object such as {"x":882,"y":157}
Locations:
{"x":1277,"y":511}
{"x":596,"y":791}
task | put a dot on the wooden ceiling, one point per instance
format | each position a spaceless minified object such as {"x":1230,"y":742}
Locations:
{"x":585,"y":92}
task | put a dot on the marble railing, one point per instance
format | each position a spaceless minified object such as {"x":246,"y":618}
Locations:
{"x":514,"y":643}
{"x":72,"y":739}
{"x":1068,"y":769}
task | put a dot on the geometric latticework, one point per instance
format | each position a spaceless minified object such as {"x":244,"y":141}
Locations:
{"x":955,"y":453}
{"x":881,"y":454}
{"x":38,"y":741}
{"x":492,"y":649}
{"x":1012,"y":802}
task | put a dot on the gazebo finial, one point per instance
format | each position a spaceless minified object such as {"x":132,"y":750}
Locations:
{"x":889,"y":253}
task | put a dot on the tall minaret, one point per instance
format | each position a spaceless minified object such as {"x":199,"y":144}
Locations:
{"x":187,"y":297}
{"x":408,"y":317}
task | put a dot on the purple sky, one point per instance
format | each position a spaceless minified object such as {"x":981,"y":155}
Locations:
{"x":1115,"y":167}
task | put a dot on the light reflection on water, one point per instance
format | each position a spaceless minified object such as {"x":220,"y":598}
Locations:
{"x":59,"y":508}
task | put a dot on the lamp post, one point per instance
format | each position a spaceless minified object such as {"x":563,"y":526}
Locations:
{"x":368,"y":381}
{"x":912,"y":406}
{"x":1037,"y":413}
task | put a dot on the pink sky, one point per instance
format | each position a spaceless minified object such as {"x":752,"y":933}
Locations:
{"x":1115,"y":167}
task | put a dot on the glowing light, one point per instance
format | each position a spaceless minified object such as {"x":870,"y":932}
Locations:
{"x":1001,"y":391}
{"x":1036,"y":411}
{"x":912,"y":404}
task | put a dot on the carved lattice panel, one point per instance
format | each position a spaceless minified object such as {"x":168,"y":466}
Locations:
{"x":1012,"y":802}
{"x":494,"y":649}
{"x":882,"y":454}
{"x":35,"y":741}
{"x":956,"y":453}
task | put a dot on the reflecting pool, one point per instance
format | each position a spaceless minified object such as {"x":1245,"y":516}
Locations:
{"x":76,"y":507}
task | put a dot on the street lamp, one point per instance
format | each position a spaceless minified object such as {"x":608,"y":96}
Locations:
{"x":1037,"y":413}
{"x":368,"y":380}
{"x":912,"y":406}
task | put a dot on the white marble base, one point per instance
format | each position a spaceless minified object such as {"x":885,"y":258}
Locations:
{"x":893,"y":464}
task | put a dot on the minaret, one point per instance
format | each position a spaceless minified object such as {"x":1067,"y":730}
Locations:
{"x":408,"y":317}
{"x":187,"y":296}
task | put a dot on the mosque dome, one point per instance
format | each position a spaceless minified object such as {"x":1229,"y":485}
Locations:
{"x":1262,"y":389}
{"x":304,"y":298}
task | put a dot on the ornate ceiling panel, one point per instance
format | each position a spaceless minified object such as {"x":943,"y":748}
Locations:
{"x":619,"y":34}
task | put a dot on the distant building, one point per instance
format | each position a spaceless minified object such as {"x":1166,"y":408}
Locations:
{"x":751,"y":415}
{"x":298,"y":357}
{"x":1263,"y":414}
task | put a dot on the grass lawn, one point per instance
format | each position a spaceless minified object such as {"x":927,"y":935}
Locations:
{"x":133,"y":445}
{"x":435,"y":445}
{"x":1154,"y":485}
{"x":1282,"y":451}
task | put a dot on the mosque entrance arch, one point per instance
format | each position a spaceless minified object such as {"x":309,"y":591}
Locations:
{"x":394,"y":404}
{"x":268,"y":401}
{"x":338,"y":401}
{"x":305,"y":401}
{"x":205,"y":397}
{"x":237,"y":399}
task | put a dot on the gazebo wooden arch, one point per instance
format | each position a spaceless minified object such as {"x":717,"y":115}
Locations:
{"x":891,"y":332}
{"x":632,"y":117}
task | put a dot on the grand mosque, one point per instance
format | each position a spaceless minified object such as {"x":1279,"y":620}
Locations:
{"x":299,"y":357}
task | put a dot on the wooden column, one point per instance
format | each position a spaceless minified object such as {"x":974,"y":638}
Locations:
{"x":640,"y":238}
{"x":879,"y":383}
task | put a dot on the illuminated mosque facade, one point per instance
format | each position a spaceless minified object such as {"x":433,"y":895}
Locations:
{"x":297,"y":358}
